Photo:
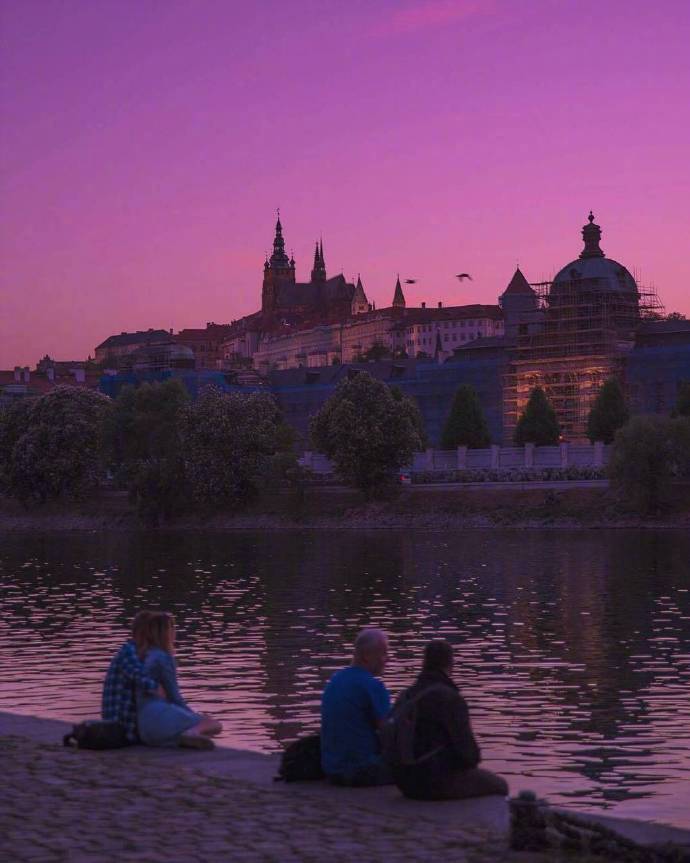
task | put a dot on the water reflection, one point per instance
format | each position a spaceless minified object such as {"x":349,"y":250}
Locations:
{"x":572,"y":648}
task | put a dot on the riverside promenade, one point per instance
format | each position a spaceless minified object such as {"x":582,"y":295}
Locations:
{"x":60,"y":805}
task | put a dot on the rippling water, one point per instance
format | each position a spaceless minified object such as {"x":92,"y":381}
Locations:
{"x":572,"y":648}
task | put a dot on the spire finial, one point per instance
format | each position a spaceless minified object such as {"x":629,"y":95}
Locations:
{"x":591,"y":234}
{"x":279,"y":259}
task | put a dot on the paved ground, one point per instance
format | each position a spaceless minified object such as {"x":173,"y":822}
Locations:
{"x":64,"y":805}
{"x":61,"y":805}
{"x":83,"y":807}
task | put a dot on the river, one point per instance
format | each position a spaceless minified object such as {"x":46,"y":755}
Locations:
{"x":572,"y":647}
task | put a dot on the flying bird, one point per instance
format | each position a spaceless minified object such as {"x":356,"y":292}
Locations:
{"x":411,"y":281}
{"x":462,"y":276}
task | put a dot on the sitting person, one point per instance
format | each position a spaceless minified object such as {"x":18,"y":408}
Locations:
{"x":168,"y":720}
{"x":353,"y":706}
{"x":125,"y":673}
{"x":443,"y":742}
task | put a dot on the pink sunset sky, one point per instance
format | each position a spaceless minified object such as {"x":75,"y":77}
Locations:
{"x":145,"y":146}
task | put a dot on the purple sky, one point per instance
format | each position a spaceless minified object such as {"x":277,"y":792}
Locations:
{"x":145,"y":145}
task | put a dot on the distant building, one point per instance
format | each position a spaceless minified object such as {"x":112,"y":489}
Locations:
{"x":285,"y":301}
{"x":22,"y":382}
{"x":158,"y":356}
{"x":330,"y":321}
{"x":114,"y":348}
{"x":206,"y":344}
{"x":568,"y":335}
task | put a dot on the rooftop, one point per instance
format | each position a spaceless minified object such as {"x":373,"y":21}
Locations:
{"x":140,"y":337}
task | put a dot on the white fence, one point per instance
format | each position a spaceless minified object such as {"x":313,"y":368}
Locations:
{"x":529,"y":457}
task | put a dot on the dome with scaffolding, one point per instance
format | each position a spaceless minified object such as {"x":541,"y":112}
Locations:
{"x":594,"y":269}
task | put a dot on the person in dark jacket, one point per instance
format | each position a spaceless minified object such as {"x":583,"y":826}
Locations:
{"x":444,"y":745}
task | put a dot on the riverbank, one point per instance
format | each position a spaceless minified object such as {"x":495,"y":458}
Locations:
{"x":66,"y":806}
{"x":449,"y":507}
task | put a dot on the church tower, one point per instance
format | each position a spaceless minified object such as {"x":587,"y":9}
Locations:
{"x":278,"y":269}
{"x":519,"y":303}
{"x":398,"y":296}
{"x":360,"y":303}
{"x":318,"y":273}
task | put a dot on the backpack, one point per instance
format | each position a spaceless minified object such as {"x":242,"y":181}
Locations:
{"x":97,"y":734}
{"x":301,"y":760}
{"x":398,"y":732}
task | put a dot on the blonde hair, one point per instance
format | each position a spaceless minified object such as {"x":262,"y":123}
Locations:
{"x":139,"y":630}
{"x":160,"y":632}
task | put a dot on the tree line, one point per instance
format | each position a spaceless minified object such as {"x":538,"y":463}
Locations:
{"x":219,"y":451}
{"x":167,"y":451}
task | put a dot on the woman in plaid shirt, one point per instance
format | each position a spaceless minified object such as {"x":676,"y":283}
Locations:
{"x":125,"y":674}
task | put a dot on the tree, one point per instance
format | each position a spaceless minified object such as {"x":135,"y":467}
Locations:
{"x":229,"y":440}
{"x":538,"y":423}
{"x":410,"y":405}
{"x":648,"y":453}
{"x":142,"y":439}
{"x":682,"y":408}
{"x":465,"y":425}
{"x":675,"y":316}
{"x":60,"y":452}
{"x":14,"y":419}
{"x":367,"y":431}
{"x":609,"y":413}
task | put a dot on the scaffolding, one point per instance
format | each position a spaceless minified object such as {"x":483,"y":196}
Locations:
{"x":575,"y":337}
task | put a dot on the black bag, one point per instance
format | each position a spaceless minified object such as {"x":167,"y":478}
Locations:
{"x":301,"y":761}
{"x":399,"y":731}
{"x":97,"y":734}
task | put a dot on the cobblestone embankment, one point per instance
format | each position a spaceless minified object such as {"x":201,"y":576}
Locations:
{"x":65,"y":806}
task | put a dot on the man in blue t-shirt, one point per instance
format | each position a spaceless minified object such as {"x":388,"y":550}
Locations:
{"x":353,"y":707}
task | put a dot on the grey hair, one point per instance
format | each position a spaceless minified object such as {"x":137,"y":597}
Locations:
{"x":368,"y":639}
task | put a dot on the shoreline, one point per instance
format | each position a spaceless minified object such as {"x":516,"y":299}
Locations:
{"x":339,"y":509}
{"x":542,"y":506}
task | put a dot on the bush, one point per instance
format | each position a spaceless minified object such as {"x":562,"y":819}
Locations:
{"x":367,"y":431}
{"x":609,"y":413}
{"x":59,"y":453}
{"x":538,"y":423}
{"x":648,"y":453}
{"x":466,"y":425}
{"x":229,"y":441}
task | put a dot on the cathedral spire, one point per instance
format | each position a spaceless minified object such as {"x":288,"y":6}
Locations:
{"x":318,"y":273}
{"x":398,"y":296}
{"x":279,"y":259}
{"x":591,"y":235}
